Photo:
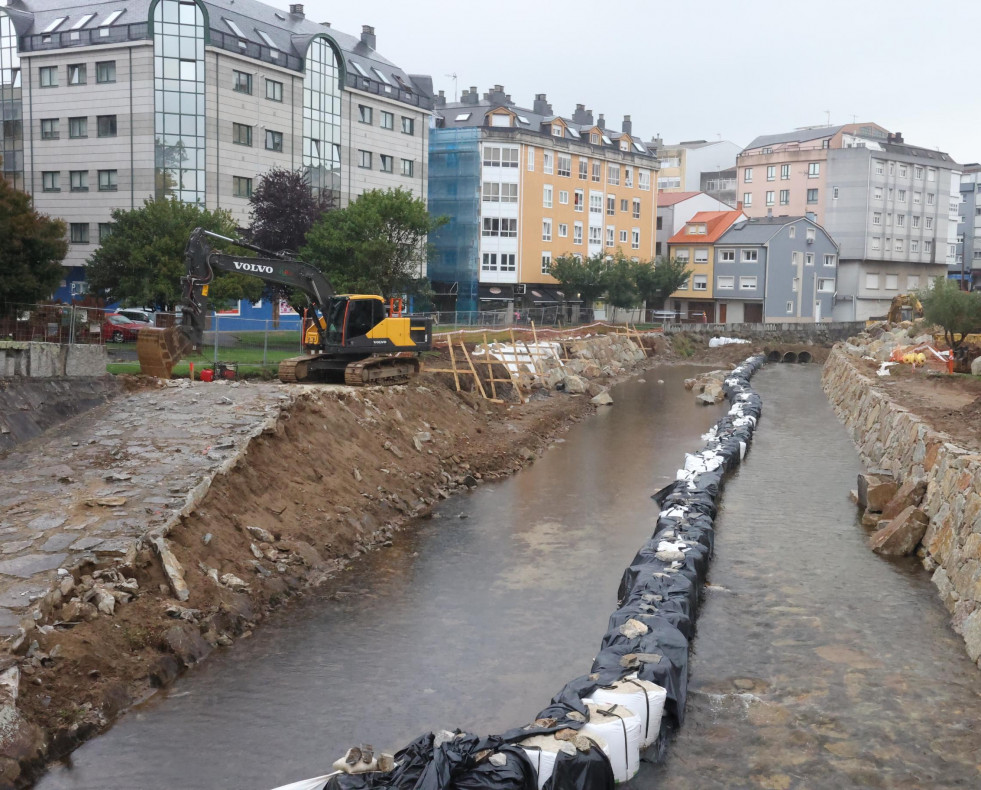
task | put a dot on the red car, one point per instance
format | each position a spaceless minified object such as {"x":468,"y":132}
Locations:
{"x":120,"y":329}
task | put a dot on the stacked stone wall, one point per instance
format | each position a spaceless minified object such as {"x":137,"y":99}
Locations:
{"x":888,"y":436}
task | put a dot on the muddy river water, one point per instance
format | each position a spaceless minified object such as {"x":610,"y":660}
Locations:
{"x":816,"y":664}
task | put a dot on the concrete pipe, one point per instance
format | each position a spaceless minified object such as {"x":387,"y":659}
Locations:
{"x":774,"y":356}
{"x":790,"y":356}
{"x":804,"y":356}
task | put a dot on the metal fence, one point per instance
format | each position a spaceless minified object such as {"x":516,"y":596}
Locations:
{"x":558,"y":316}
{"x":64,"y":324}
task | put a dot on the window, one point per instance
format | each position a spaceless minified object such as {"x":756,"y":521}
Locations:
{"x":635,"y":238}
{"x":931,"y":198}
{"x":274,"y":90}
{"x":387,"y":120}
{"x":812,"y":196}
{"x":903,"y":171}
{"x":892,"y":282}
{"x":274,"y":140}
{"x":892,"y":168}
{"x":623,"y":237}
{"x":611,"y":205}
{"x":748,"y":175}
{"x":769,"y":197}
{"x":830,"y":260}
{"x":578,"y":199}
{"x":613,"y":174}
{"x":877,"y":193}
{"x":76,"y":73}
{"x":611,"y":236}
{"x":928,"y":245}
{"x":107,"y":181}
{"x":594,"y":139}
{"x":808,"y":258}
{"x":409,"y":169}
{"x":727,"y":256}
{"x":929,"y":222}
{"x":241,"y":82}
{"x":563,"y":230}
{"x":583,"y":169}
{"x":49,"y":129}
{"x":644,"y":180}
{"x":915,"y":219}
{"x":494,"y":226}
{"x":784,"y":197}
{"x":79,"y":232}
{"x":564,"y":197}
{"x":546,"y":262}
{"x":834,"y":193}
{"x":811,"y":234}
{"x":725,"y":283}
{"x":565,"y":165}
{"x":624,"y":205}
{"x":531,"y":157}
{"x":878,"y":167}
{"x":507,"y":262}
{"x":628,"y":176}
{"x":813,"y":169}
{"x":901,"y":220}
{"x":918,"y":173}
{"x":546,"y":230}
{"x":78,"y":127}
{"x":489,"y":262}
{"x":700,"y":282}
{"x":79,"y":180}
{"x":595,"y":203}
{"x":795,"y":258}
{"x":577,"y":233}
{"x":917,"y":198}
{"x":547,"y":196}
{"x":790,"y":307}
{"x":747,"y":283}
{"x":597,"y":172}
{"x":747,"y":199}
{"x":387,"y":163}
{"x":784,"y":172}
{"x":105,"y":71}
{"x":105,"y":228}
{"x":682,"y":256}
{"x":771,"y":172}
{"x":241,"y":134}
{"x":877,"y":218}
{"x":548,"y":167}
{"x":365,"y":113}
{"x":556,"y":130}
{"x":106,"y":125}
{"x":900,"y":244}
{"x":750,"y":256}
{"x":875,"y":242}
{"x":931,"y":175}
{"x":901,"y":196}
{"x":701,"y":255}
{"x":636,"y":211}
{"x":49,"y":180}
{"x":595,"y":235}
{"x":826,"y":285}
{"x":914,"y":245}
{"x":912,"y":282}
{"x":241,"y":186}
{"x":408,"y":125}
{"x":872,"y":280}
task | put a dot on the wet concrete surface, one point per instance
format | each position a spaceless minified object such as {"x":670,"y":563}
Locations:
{"x":816,"y":664}
{"x":91,"y":487}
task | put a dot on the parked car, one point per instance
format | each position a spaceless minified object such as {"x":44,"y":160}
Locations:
{"x":137,"y":314}
{"x":119,"y":329}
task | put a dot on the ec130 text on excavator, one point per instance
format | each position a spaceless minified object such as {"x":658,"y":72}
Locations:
{"x":358,"y":337}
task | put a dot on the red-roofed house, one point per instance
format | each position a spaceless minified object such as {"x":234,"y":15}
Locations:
{"x":694,"y":244}
{"x":674,"y":209}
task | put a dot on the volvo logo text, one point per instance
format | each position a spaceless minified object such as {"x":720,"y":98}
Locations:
{"x":253,"y":267}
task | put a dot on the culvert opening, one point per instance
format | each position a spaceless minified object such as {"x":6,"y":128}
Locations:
{"x":774,"y":356}
{"x":790,"y":356}
{"x":804,"y":356}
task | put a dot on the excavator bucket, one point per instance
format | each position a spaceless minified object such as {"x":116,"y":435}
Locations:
{"x":160,"y":349}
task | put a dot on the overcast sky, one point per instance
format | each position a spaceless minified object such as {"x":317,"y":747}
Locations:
{"x":707,"y":70}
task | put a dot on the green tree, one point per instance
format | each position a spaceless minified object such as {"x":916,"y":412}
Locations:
{"x":657,"y":280}
{"x":141,"y":262}
{"x":283,"y":209}
{"x":586,"y":277}
{"x":32,"y":247}
{"x":621,"y":283}
{"x":377,"y":244}
{"x":957,"y":312}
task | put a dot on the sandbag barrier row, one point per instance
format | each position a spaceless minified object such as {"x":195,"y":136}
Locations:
{"x":592,"y":734}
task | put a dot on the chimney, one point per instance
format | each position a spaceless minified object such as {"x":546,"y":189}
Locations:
{"x":470,"y":96}
{"x":496,"y":95}
{"x":582,"y":115}
{"x":628,"y":127}
{"x":441,"y":99}
{"x":368,"y":36}
{"x":601,"y":122}
{"x":739,"y":205}
{"x":541,"y":105}
{"x":296,"y":10}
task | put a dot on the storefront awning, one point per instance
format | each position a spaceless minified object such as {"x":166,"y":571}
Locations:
{"x":549,"y":294}
{"x":489,"y":292}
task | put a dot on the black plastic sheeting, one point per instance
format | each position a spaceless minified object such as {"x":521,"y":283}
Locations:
{"x":659,"y":592}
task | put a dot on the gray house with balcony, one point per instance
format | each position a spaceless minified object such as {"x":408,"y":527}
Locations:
{"x":775,"y":270}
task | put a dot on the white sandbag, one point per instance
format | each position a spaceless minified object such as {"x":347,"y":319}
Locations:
{"x":621,"y":729}
{"x":644,"y":698}
{"x":308,"y":784}
{"x":543,"y":751}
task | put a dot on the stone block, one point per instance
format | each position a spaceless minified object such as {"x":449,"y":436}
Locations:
{"x":902,"y":534}
{"x":875,"y":491}
{"x":971,"y":631}
{"x":910,"y":493}
{"x":86,"y":360}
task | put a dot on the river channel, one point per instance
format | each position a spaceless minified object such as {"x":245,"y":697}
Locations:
{"x":816,"y":663}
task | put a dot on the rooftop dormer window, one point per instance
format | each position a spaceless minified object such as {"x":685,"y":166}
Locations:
{"x":55,"y":25}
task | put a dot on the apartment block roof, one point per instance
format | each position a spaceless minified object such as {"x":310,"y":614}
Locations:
{"x":716,"y":223}
{"x":796,"y":136}
{"x":672,"y":198}
{"x":264,"y":30}
{"x":759,"y":230}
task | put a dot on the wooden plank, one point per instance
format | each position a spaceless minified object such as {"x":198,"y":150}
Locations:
{"x":473,"y":370}
{"x":456,"y":377}
{"x":490,"y":368}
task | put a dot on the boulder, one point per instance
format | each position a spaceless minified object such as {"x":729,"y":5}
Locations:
{"x":976,"y":367}
{"x":875,"y":491}
{"x":705,"y":399}
{"x":910,"y":493}
{"x":902,"y":535}
{"x":603,"y":399}
{"x":186,"y":643}
{"x":575,"y":385}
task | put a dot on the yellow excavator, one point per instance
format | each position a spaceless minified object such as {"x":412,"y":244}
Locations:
{"x":904,"y":307}
{"x":359,"y":339}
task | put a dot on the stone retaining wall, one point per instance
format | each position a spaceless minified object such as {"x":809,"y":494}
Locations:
{"x":782,"y":333}
{"x":889,"y":437}
{"x":34,"y":360}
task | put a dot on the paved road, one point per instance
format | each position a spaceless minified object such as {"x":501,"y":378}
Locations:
{"x":91,"y":487}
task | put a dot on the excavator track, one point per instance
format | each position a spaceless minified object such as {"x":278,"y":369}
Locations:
{"x":293,"y":370}
{"x":381,"y":370}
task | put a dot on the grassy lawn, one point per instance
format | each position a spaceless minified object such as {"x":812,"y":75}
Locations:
{"x":246,"y":356}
